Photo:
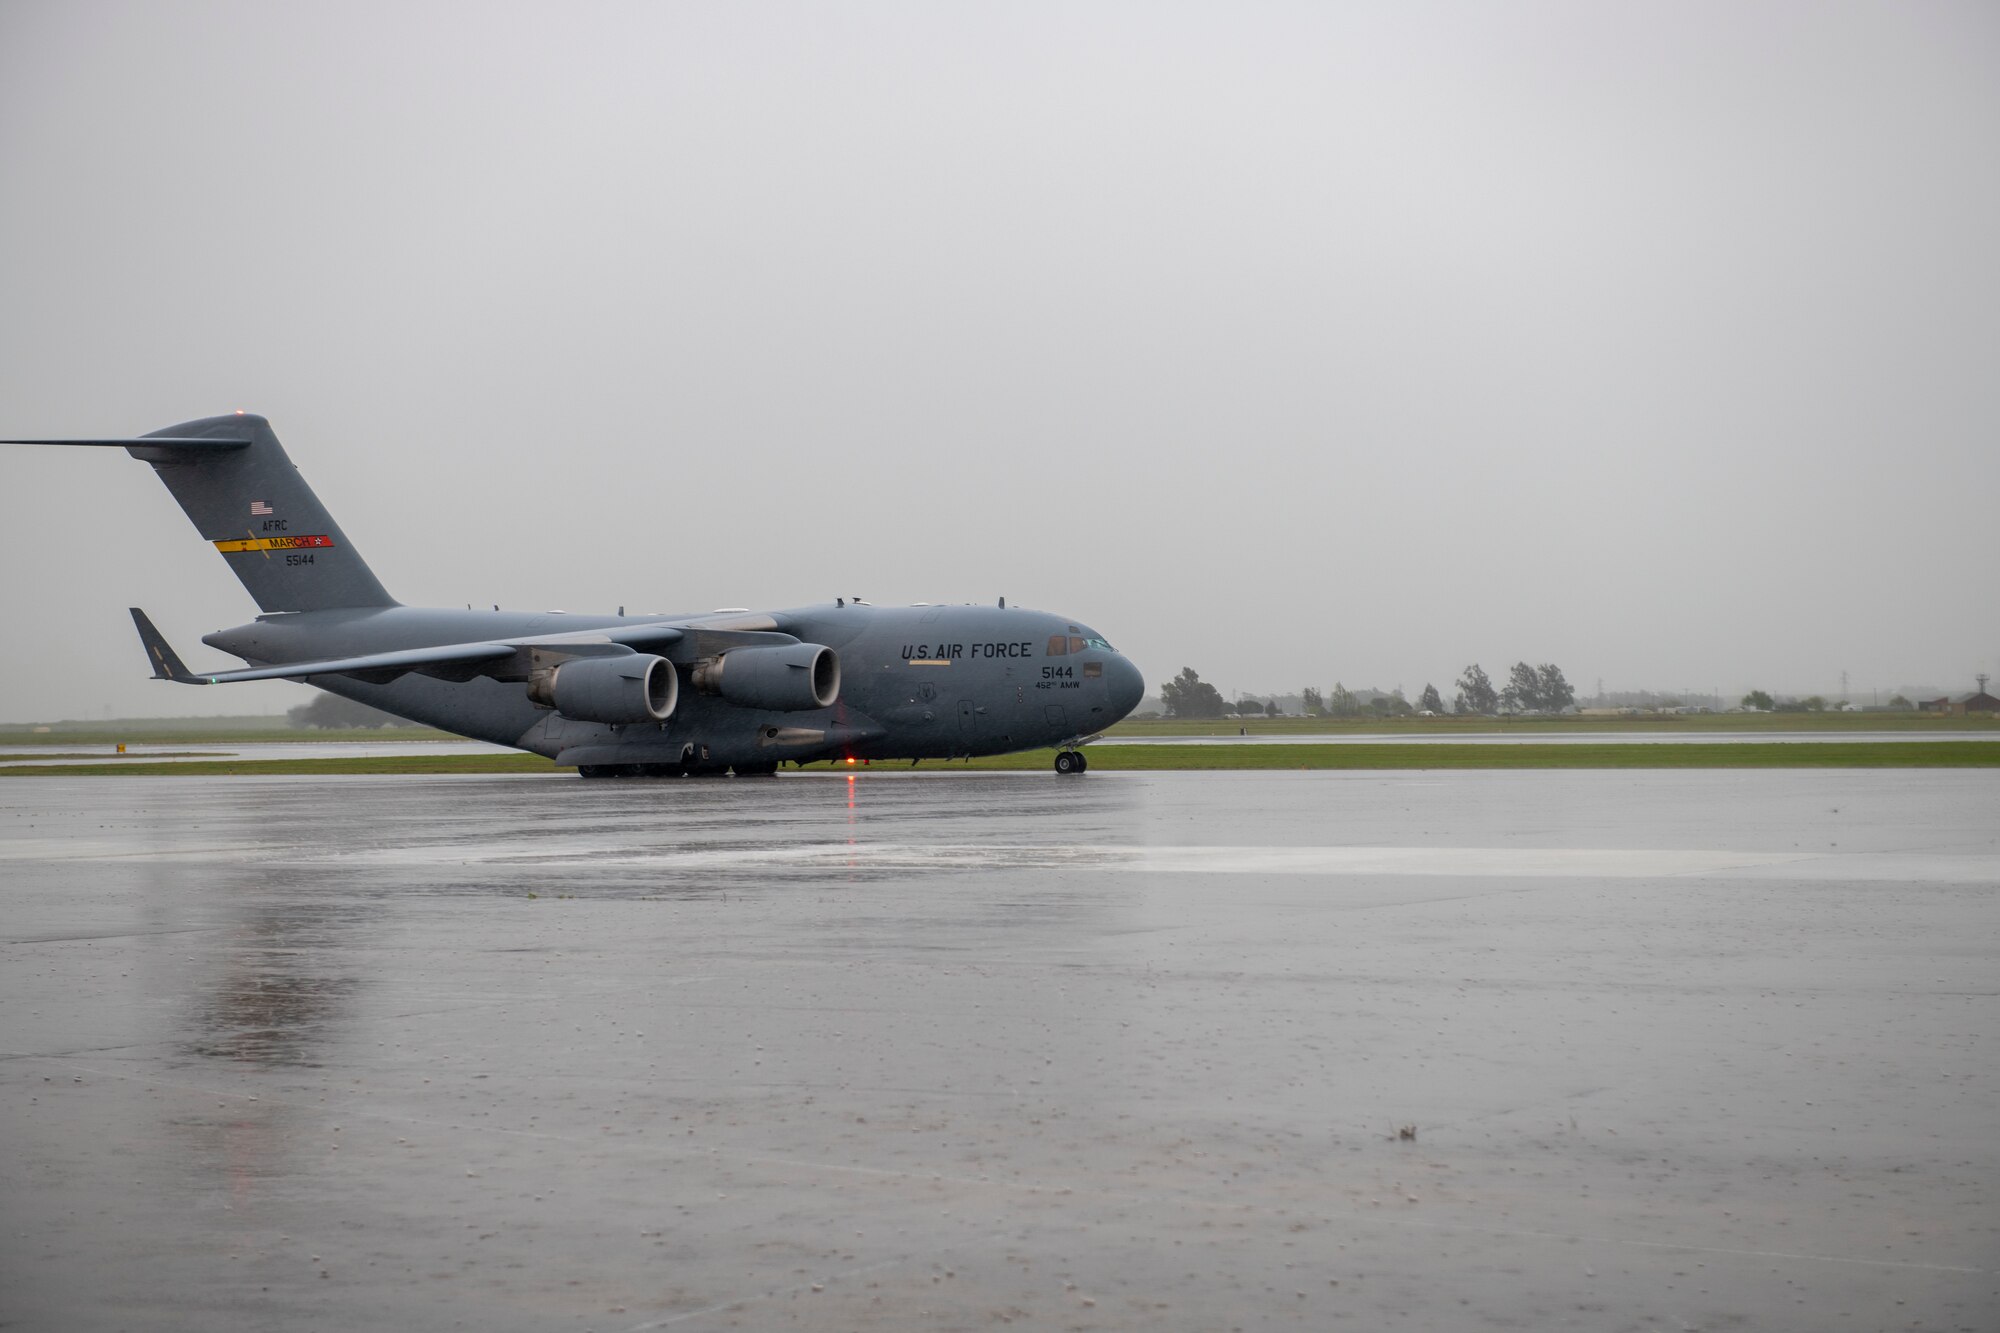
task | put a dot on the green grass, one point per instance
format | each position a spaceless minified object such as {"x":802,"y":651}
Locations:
{"x":181,"y":731}
{"x":239,"y":767}
{"x":1529,"y":727}
{"x":1110,"y":757}
{"x":122,"y":760}
{"x":259,"y":724}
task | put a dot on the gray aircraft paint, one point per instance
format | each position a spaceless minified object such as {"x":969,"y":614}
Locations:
{"x":919,"y":682}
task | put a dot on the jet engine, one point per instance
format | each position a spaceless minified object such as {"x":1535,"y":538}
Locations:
{"x":788,"y":678}
{"x":631,"y":687}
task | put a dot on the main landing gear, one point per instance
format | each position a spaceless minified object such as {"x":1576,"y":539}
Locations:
{"x":672,"y":771}
{"x":1071,"y":761}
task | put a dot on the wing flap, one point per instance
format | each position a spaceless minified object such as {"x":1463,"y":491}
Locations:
{"x":651,"y":635}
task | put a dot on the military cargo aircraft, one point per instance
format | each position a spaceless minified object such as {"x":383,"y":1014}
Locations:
{"x":615,"y":695}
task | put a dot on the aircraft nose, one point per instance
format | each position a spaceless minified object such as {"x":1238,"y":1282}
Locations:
{"x":1124,"y":687}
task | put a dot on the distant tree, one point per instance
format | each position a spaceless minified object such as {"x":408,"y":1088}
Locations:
{"x":1248,"y":708}
{"x":1813,"y":703}
{"x":1392,"y":704}
{"x":1311,"y":702}
{"x":1900,"y":702}
{"x":1341,"y":702}
{"x":1429,"y":700}
{"x":1524,"y":689}
{"x":1188,"y":695}
{"x":1556,"y":692}
{"x":1271,"y":708}
{"x":1758,"y":700}
{"x":332,"y":711}
{"x":1476,"y":692}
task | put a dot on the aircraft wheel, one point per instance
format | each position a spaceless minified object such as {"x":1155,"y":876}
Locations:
{"x":1068,"y":762}
{"x":593,"y":770}
{"x":1082,"y":762}
{"x":756,"y":770}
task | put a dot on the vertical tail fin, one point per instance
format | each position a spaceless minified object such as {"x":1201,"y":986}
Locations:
{"x":236,"y":484}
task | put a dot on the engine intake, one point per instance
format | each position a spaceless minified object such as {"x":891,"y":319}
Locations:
{"x":632,"y":687}
{"x":785,"y":678}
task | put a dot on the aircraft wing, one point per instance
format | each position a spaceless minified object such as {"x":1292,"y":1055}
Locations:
{"x":402,"y":660}
{"x":145,"y":442}
{"x":623,"y":638}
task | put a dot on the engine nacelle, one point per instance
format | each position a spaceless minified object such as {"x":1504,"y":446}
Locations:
{"x":786,"y":678}
{"x":632,"y":687}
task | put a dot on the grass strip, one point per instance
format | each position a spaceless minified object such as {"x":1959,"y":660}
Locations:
{"x":116,"y":758}
{"x":1748,"y":754}
{"x":1528,"y":727}
{"x":166,"y":734}
{"x":1111,"y":757}
{"x":393,"y":765}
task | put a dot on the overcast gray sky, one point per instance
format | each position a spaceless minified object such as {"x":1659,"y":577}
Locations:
{"x":1291,"y":342}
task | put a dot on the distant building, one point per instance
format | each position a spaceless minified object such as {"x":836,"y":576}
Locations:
{"x":1979,"y":701}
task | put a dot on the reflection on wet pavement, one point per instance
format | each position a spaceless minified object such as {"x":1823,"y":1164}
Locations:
{"x":1675,"y":1049}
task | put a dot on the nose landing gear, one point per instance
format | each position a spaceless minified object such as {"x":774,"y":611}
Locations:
{"x":1071,"y":761}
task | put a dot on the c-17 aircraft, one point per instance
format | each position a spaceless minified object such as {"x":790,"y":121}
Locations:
{"x":622,"y":696}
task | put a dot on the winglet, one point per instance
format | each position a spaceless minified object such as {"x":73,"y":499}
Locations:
{"x":166,"y":663}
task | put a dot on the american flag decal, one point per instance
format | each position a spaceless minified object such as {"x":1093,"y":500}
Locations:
{"x":259,"y":507}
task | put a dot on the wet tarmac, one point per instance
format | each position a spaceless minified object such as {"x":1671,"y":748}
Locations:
{"x":1674,"y":1050}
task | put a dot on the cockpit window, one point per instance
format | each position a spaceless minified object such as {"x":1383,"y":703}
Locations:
{"x":1095,"y":643}
{"x":1075,"y":643}
{"x":1058,"y":645}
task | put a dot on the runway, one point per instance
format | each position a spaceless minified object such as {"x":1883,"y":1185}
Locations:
{"x":1674,"y":1050}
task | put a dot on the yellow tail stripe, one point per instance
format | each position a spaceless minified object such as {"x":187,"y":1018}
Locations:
{"x":271,"y":544}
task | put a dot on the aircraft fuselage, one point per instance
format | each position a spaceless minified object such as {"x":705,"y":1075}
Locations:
{"x":917,"y":682}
